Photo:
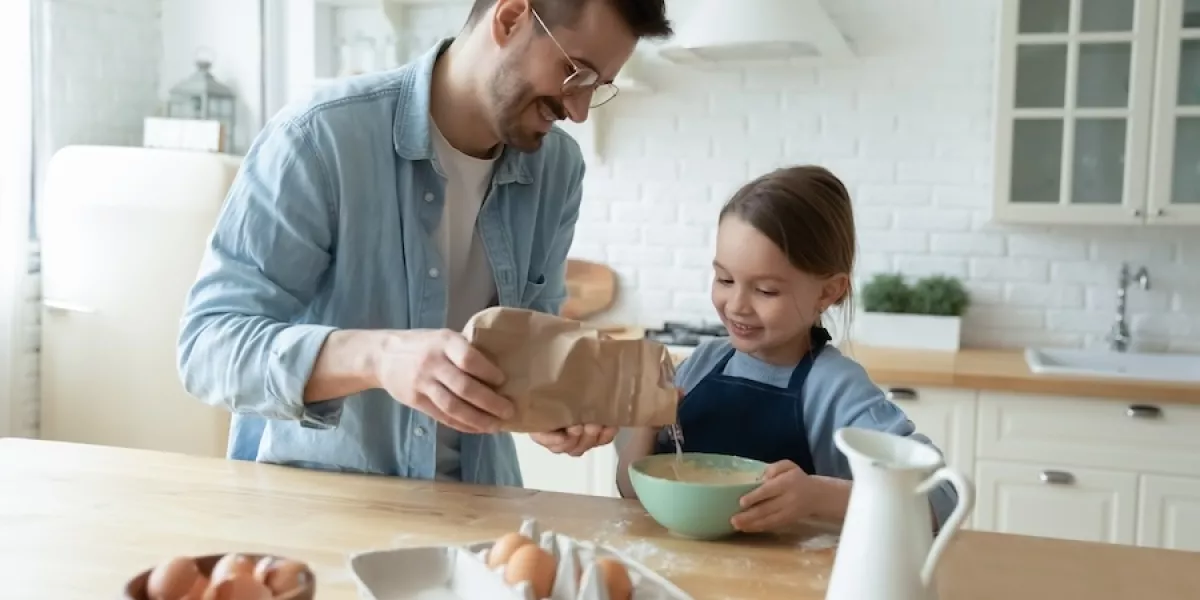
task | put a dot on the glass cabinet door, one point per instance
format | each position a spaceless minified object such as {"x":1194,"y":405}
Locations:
{"x":1175,"y":171}
{"x":1080,"y":74}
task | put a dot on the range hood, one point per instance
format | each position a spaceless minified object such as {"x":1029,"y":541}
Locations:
{"x":756,"y":30}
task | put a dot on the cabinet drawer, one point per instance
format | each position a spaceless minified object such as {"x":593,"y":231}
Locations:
{"x":1055,"y":501}
{"x":1157,"y":438}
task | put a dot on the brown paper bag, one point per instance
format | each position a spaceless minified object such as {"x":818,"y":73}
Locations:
{"x":560,"y":373}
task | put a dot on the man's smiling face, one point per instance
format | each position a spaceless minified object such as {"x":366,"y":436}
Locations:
{"x":526,"y":91}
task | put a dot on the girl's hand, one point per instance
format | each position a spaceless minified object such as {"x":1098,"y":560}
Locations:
{"x":786,"y":495}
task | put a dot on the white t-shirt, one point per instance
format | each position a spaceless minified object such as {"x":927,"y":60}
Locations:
{"x":470,"y":285}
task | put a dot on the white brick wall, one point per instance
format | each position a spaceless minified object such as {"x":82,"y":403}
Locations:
{"x":908,"y":127}
{"x":98,"y":65}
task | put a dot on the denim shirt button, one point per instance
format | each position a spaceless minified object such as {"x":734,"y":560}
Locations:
{"x":433,"y":272}
{"x":429,"y":196}
{"x":419,"y":431}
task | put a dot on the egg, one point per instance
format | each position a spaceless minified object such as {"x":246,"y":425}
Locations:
{"x":281,"y":575}
{"x":172,"y":579}
{"x":530,"y":563}
{"x":504,"y":547}
{"x":198,"y":589}
{"x":615,"y":577}
{"x":238,"y":586}
{"x":232,"y":564}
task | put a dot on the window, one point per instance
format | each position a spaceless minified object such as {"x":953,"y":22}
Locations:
{"x":16,"y":172}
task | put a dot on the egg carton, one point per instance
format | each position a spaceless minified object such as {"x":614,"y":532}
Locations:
{"x":461,"y":572}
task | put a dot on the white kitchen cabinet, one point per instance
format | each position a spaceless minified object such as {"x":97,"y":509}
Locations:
{"x":1090,"y":432}
{"x":1088,"y":469}
{"x":1098,"y":113}
{"x":945,"y":415}
{"x":593,"y":474}
{"x":1174,"y":186}
{"x":1170,"y":513}
{"x":1056,"y":501}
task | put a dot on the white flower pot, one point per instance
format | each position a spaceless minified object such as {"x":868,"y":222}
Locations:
{"x":916,"y":332}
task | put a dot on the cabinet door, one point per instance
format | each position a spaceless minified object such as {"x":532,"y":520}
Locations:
{"x":1054,"y":501}
{"x":947,"y":416}
{"x":592,"y":474}
{"x":1175,"y":160}
{"x":1170,"y":513}
{"x":1074,"y":110}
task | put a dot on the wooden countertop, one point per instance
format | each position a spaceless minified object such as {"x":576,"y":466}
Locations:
{"x":78,"y":521}
{"x":995,"y":370}
{"x":1005,"y":371}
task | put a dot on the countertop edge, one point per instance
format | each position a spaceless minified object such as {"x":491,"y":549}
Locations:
{"x":991,"y":370}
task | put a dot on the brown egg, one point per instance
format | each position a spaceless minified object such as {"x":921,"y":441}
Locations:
{"x":504,"y":547}
{"x":172,"y":579}
{"x":240,"y":586}
{"x":615,"y":577}
{"x":531,"y":563}
{"x":281,"y":575}
{"x":232,"y":564}
{"x":198,"y":589}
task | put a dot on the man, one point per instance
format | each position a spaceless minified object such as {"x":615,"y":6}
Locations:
{"x":369,"y":224}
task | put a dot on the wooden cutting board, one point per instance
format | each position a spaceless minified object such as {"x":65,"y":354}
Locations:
{"x":591,"y":289}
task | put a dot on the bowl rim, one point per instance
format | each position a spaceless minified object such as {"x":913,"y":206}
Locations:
{"x":635,"y":467}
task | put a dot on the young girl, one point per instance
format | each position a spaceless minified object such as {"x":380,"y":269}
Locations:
{"x":774,"y":390}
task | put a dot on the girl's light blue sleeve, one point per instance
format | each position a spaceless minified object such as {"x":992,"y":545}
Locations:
{"x":839,"y":393}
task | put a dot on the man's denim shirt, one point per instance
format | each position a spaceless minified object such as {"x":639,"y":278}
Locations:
{"x":329,"y":224}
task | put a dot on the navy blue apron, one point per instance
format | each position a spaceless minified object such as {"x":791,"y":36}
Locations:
{"x":742,"y":417}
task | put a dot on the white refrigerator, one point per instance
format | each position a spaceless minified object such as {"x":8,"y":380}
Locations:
{"x":122,"y":233}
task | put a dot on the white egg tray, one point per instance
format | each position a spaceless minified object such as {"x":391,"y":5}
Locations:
{"x":461,"y":572}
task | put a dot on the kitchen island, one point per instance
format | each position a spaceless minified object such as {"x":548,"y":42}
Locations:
{"x":77,"y":521}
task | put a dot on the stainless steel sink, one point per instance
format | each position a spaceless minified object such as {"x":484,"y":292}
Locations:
{"x":1179,"y":368}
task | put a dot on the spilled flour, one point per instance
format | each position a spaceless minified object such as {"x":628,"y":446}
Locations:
{"x":825,"y":541}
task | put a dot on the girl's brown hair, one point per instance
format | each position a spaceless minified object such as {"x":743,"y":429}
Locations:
{"x":805,"y":210}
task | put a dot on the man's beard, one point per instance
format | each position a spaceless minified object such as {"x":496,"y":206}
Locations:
{"x":510,"y":96}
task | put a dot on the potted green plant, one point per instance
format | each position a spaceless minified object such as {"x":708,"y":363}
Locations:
{"x":925,"y":315}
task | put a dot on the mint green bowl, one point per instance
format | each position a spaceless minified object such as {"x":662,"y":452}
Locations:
{"x":691,"y":509}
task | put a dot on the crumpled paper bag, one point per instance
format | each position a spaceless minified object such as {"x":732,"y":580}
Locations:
{"x":560,"y":373}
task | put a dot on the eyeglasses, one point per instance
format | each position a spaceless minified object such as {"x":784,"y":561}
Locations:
{"x":582,"y":79}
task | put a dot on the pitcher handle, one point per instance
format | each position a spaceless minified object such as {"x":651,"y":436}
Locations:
{"x":966,"y":501}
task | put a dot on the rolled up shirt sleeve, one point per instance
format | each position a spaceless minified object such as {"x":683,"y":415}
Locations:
{"x":240,"y":345}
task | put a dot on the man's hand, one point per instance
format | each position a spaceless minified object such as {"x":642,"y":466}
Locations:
{"x":786,"y":495}
{"x":575,"y":440}
{"x":440,"y":374}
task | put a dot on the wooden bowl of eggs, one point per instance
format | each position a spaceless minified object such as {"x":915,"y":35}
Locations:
{"x":232,"y":576}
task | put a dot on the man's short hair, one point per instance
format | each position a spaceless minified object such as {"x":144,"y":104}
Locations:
{"x":645,"y":18}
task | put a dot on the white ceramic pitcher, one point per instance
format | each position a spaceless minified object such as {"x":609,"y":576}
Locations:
{"x":887,"y":549}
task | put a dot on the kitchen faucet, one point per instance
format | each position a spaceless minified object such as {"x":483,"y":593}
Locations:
{"x":1118,"y":339}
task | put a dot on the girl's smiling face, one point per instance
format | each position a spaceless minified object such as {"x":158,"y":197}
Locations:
{"x":767,"y":304}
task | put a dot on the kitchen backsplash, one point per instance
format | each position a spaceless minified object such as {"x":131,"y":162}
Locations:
{"x":908,"y":126}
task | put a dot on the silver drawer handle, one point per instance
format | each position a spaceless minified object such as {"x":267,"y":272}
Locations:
{"x":1143,"y":411}
{"x":59,"y":305}
{"x":1057,"y":477}
{"x":895,"y":394}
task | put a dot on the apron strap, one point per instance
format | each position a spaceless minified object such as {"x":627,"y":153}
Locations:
{"x":820,"y":337}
